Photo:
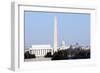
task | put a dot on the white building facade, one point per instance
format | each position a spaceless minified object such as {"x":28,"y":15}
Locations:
{"x":40,"y":50}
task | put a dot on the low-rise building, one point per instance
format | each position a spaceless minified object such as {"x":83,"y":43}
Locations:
{"x":40,"y":50}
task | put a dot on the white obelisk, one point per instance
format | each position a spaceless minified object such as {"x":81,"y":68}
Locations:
{"x":55,"y":34}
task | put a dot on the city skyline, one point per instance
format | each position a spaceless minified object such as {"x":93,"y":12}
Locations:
{"x":72,"y":28}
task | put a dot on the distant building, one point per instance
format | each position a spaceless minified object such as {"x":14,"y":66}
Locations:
{"x":40,"y":50}
{"x":85,"y":47}
{"x":63,"y":46}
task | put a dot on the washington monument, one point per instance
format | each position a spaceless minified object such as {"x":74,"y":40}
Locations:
{"x":55,"y":34}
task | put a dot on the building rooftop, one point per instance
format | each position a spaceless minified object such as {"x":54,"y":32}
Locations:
{"x":44,"y":46}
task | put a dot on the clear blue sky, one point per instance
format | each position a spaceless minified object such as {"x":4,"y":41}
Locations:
{"x":72,"y":28}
